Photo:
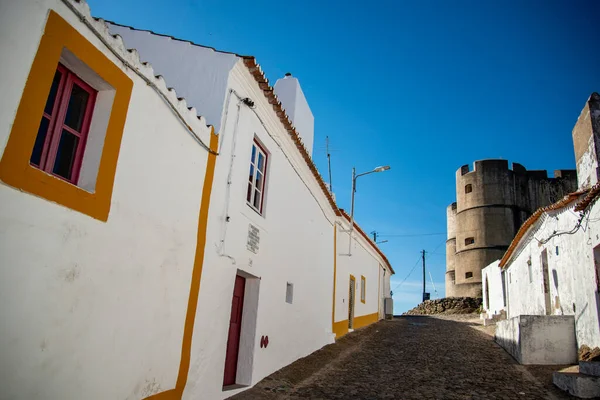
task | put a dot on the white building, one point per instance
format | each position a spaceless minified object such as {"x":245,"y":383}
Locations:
{"x":141,"y":254}
{"x":552,"y":266}
{"x":492,"y":290}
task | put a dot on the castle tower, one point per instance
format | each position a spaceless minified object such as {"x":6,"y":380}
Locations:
{"x":492,"y":202}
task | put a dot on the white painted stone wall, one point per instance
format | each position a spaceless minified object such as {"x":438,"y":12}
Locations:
{"x":571,"y":271}
{"x":296,"y":246}
{"x":363,"y":261}
{"x":539,"y":339}
{"x":492,"y":292}
{"x":90,"y":309}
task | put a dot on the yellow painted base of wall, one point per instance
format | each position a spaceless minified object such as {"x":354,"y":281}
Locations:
{"x":365,"y":320}
{"x":340,"y":328}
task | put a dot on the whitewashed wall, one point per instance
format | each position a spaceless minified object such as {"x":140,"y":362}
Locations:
{"x":363,"y":261}
{"x":90,"y":309}
{"x":570,"y":268}
{"x":296,"y":246}
{"x":493,"y":291}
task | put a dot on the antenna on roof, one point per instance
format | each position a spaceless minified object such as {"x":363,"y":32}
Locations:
{"x":328,"y":162}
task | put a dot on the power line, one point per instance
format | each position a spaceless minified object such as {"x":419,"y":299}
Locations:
{"x":411,"y":271}
{"x":413,"y":234}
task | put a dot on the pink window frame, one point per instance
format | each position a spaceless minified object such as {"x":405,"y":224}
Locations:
{"x":55,"y":128}
{"x":262,"y":188}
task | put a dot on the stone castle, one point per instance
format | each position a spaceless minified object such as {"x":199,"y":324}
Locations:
{"x":492,"y":201}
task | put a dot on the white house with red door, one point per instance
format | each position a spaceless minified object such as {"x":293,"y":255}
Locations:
{"x":147,"y":251}
{"x":275,"y":237}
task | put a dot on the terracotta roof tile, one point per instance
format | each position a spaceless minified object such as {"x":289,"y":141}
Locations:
{"x":593,"y":194}
{"x":568,"y":199}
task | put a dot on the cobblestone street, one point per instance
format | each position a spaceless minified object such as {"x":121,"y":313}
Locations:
{"x":410,"y":358}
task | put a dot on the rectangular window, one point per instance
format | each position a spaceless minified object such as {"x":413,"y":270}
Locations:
{"x":62,"y":134}
{"x":363,"y":289}
{"x":468,"y":275}
{"x":468,"y":188}
{"x":256,"y":177}
{"x":289,"y":293}
{"x":469,"y":241}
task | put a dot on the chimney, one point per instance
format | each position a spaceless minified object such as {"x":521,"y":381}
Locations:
{"x":586,"y":141}
{"x":294,"y":103}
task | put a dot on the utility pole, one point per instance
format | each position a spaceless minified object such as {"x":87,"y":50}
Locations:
{"x":425,"y":294}
{"x":374,"y":236}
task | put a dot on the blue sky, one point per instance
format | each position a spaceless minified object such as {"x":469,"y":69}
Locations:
{"x":424,"y":86}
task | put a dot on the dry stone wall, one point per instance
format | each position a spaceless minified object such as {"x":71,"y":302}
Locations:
{"x":448,"y":305}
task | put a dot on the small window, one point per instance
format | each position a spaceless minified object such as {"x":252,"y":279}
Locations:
{"x":363,"y":289}
{"x":468,"y":188}
{"x":289,"y":293}
{"x":256,"y":177}
{"x":62,"y":134}
{"x":468,"y":275}
{"x":469,"y":240}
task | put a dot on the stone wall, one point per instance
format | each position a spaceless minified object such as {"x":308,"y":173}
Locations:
{"x":448,"y":305}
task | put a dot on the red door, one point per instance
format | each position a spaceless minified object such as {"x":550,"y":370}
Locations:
{"x":235,"y":325}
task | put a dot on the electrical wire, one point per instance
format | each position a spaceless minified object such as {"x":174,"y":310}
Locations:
{"x":411,"y":271}
{"x":412,"y":234}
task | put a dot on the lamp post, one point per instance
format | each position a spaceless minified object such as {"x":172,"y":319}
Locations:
{"x":354,"y":178}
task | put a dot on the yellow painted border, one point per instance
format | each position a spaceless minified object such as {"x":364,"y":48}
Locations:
{"x":365,"y":320}
{"x":352,"y":279}
{"x":340,"y":328}
{"x":334,"y":276}
{"x":190,"y":317}
{"x":363,"y":296}
{"x":14,"y":166}
{"x":379,"y":278}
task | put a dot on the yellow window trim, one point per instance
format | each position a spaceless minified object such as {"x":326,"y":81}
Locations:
{"x":363,"y":289}
{"x":15,"y":169}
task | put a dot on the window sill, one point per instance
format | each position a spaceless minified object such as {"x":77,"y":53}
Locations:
{"x":255,"y":210}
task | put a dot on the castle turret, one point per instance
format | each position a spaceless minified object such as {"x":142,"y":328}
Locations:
{"x":450,"y":249}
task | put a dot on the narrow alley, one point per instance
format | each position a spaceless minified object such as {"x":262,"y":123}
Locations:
{"x":410,"y":358}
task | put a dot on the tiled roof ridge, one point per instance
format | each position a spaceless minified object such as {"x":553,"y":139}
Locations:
{"x":192,"y":118}
{"x":177,"y":39}
{"x":568,"y":199}
{"x":592,"y":195}
{"x":368,"y":238}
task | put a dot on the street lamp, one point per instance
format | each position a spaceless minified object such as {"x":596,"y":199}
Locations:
{"x":354,"y":178}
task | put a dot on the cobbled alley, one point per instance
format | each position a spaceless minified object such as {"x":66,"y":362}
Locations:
{"x":411,"y":357}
